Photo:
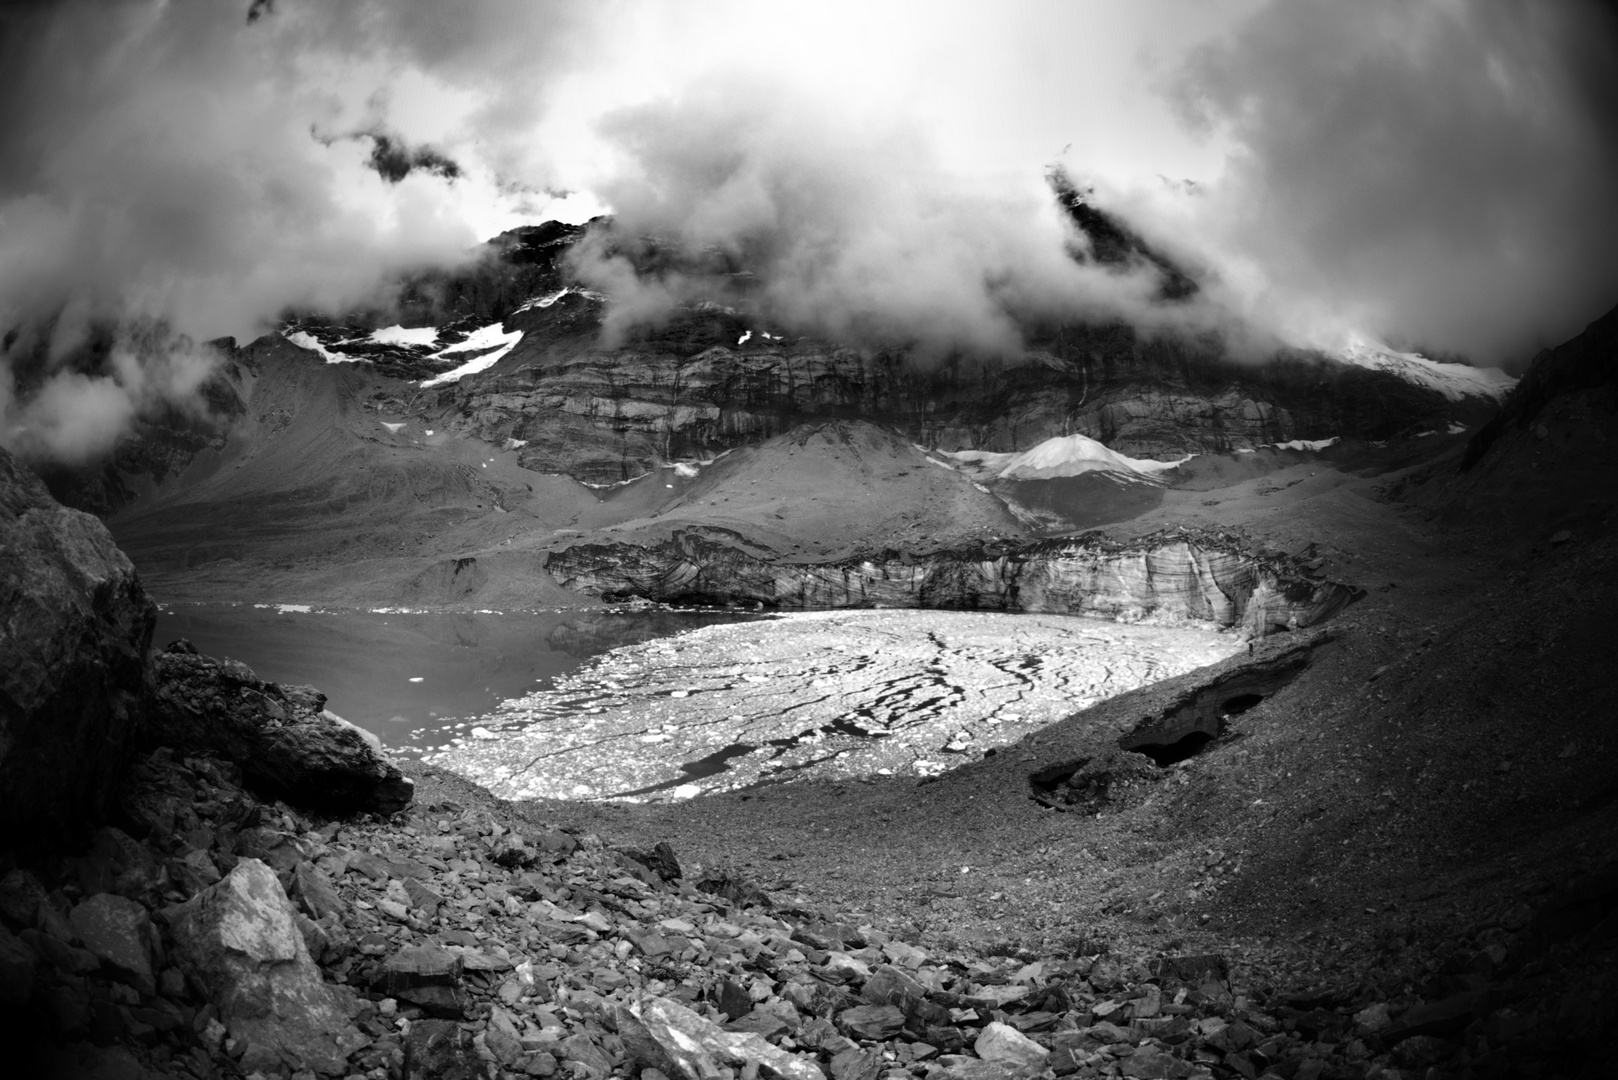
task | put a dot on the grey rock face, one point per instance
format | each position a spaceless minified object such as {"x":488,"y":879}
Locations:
{"x":1202,"y":578}
{"x":75,"y":633}
{"x":239,"y":940}
{"x":286,"y":743}
{"x":690,"y":390}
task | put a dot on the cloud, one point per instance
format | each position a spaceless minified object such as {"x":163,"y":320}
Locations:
{"x":1439,"y":174}
{"x":1432,"y":173}
{"x":72,"y":416}
{"x":162,"y":162}
{"x":744,"y":192}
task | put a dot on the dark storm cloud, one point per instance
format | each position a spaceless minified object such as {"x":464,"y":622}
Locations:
{"x":1442,"y":174}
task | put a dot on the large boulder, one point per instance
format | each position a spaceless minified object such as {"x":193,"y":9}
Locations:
{"x":239,"y":943}
{"x":75,"y":634}
{"x":288,"y":746}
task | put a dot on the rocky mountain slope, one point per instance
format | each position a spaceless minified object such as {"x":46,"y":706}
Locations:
{"x":510,"y":353}
{"x":449,"y":449}
{"x":1378,"y":849}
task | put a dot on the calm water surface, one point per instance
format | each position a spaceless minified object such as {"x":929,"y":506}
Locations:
{"x":409,"y":677}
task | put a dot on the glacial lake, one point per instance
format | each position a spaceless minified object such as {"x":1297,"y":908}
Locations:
{"x":414,"y":678}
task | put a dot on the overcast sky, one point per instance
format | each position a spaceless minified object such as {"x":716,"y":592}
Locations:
{"x":1436,"y":174}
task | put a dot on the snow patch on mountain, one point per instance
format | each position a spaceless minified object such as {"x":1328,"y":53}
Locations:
{"x":399,"y":335}
{"x":490,"y":344}
{"x":303,"y":339}
{"x":471,"y":352}
{"x":1457,"y":382}
{"x":550,"y":298}
{"x":1070,"y":455}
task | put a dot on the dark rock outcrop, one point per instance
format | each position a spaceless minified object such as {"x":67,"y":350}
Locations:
{"x":1586,"y":362}
{"x":75,"y":634}
{"x":1177,"y":575}
{"x":286,"y":743}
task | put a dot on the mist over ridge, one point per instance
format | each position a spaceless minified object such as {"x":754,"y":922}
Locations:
{"x":1434,"y":178}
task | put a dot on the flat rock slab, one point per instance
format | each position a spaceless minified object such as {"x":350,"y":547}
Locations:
{"x":846,"y":693}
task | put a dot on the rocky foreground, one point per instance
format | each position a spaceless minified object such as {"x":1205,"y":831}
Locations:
{"x":216,"y":934}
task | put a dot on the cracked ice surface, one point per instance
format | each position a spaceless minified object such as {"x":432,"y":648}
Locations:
{"x":814,"y":694}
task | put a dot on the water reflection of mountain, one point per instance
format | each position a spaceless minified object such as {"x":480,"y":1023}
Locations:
{"x":591,"y":633}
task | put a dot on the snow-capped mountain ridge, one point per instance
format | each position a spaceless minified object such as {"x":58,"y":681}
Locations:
{"x":1456,"y":382}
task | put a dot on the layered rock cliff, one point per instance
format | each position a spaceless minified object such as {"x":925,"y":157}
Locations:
{"x":706,"y":382}
{"x":709,"y":378}
{"x":1169,"y":576}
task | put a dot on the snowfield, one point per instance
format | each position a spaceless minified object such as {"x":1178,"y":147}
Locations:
{"x":1457,"y":382}
{"x":488,"y":344}
{"x":493,"y":337}
{"x":399,"y":335}
{"x":1070,"y":455}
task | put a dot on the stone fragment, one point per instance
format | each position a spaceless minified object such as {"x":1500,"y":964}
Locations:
{"x":583,"y":1049}
{"x":661,"y":1034}
{"x":766,"y":1025}
{"x":441,"y":1050}
{"x":1193,"y":970}
{"x":442,"y":1002}
{"x":421,"y":897}
{"x":419,"y":965}
{"x":315,"y":938}
{"x":16,"y":970}
{"x":21,"y":895}
{"x":998,"y":997}
{"x":648,"y":944}
{"x":315,"y":892}
{"x":194,"y":872}
{"x":1150,"y":1063}
{"x":904,"y":955}
{"x":1006,"y":1045}
{"x":1373,"y":1017}
{"x":841,"y":965}
{"x":238,"y":941}
{"x":958,"y":1067}
{"x":890,"y":986}
{"x":559,"y":844}
{"x":74,"y":641}
{"x":856,"y":1064}
{"x":59,"y":954}
{"x":734,"y":1001}
{"x":119,"y":932}
{"x":661,"y":860}
{"x":872,"y":1022}
{"x":1440,"y":1019}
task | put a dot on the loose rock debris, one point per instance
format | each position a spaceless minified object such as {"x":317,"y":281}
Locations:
{"x":824,"y":694}
{"x":240,"y":938}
